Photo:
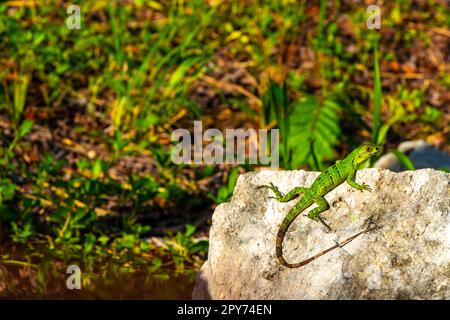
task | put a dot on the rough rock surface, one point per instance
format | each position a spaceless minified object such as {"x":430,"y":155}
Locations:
{"x":407,"y":258}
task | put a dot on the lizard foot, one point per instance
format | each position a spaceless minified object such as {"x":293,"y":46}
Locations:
{"x":274,"y":188}
{"x":321,"y":220}
{"x":365,"y":187}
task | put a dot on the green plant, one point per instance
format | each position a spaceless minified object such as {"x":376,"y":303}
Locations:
{"x":16,"y":105}
{"x":226,"y":190}
{"x":404,"y":160}
{"x":315,"y":130}
{"x":7,"y":154}
{"x":275,"y":107}
{"x":308,"y":128}
{"x":377,"y":97}
{"x":184,"y":245}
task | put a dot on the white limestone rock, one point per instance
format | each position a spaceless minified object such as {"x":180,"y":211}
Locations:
{"x":407,"y":258}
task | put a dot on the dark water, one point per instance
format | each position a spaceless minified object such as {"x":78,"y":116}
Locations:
{"x":175,"y":287}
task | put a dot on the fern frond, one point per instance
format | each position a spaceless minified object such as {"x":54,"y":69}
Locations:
{"x":314,"y":127}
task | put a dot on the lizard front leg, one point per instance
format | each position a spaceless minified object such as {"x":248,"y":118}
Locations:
{"x":355,"y":185}
{"x":294,"y":193}
{"x":314,"y":214}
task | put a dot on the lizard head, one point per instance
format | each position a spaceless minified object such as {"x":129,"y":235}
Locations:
{"x":365,"y":152}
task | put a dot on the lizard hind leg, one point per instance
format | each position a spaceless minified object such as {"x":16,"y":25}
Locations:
{"x":294,"y":193}
{"x":314,"y":214}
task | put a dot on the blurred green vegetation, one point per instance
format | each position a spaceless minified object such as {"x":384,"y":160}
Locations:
{"x":86,"y":176}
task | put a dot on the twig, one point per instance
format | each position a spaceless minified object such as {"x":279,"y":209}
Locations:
{"x":231,"y":87}
{"x":18,"y":263}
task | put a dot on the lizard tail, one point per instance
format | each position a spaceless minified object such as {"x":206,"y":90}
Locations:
{"x":279,"y":245}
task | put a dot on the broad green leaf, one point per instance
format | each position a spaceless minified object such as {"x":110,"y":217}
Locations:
{"x":25,"y":127}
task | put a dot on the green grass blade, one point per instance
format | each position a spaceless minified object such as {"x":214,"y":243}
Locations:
{"x":404,"y":160}
{"x":322,"y":13}
{"x":376,"y":97}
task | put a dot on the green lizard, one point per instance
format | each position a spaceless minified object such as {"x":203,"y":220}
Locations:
{"x":342,"y":170}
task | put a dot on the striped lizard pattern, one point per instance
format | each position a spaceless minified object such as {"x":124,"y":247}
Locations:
{"x":342,"y":170}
